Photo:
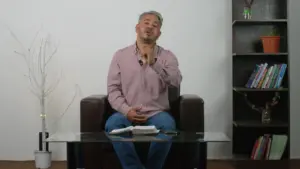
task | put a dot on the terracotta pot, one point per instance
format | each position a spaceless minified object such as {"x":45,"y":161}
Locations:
{"x":270,"y":43}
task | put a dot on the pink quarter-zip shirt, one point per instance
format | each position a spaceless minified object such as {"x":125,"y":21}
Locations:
{"x":130,"y":84}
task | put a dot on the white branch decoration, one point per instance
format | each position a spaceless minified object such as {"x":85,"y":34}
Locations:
{"x":37,"y":61}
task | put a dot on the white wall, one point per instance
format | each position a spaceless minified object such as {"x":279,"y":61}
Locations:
{"x":89,"y":32}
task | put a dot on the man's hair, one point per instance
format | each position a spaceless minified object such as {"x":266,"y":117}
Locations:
{"x":157,"y":14}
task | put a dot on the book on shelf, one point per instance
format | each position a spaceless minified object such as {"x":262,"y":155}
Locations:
{"x":265,"y":76}
{"x":269,"y":147}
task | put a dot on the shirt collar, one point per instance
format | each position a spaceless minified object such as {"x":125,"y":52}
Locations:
{"x":136,"y":50}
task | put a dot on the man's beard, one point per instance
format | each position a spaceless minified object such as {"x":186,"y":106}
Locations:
{"x":148,"y":40}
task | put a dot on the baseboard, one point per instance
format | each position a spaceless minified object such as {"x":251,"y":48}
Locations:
{"x":27,"y":161}
{"x":64,"y":161}
{"x":220,"y":158}
{"x":229,"y":158}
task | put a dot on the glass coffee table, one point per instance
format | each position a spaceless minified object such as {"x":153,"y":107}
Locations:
{"x":72,"y":139}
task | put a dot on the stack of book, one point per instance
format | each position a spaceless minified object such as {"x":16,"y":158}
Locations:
{"x":269,"y":147}
{"x":266,"y":76}
{"x":136,"y":130}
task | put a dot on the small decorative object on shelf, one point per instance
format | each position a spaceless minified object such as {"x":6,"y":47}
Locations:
{"x":271,"y":43}
{"x":266,"y":115}
{"x":247,"y":9}
{"x":266,"y":110}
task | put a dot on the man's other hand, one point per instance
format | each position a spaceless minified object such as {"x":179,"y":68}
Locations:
{"x":133,"y":116}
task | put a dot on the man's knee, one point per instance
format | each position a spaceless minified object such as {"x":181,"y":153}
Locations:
{"x":169,"y":123}
{"x":116,"y":121}
{"x":164,"y":121}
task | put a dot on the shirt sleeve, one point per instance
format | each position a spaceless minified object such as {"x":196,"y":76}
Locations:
{"x":114,"y":90}
{"x":168,"y":69}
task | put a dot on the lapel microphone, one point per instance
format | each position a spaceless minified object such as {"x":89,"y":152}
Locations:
{"x":141,"y":62}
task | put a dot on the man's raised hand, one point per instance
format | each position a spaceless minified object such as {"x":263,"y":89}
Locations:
{"x":148,"y":54}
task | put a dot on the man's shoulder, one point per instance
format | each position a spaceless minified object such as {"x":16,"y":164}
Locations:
{"x":165,"y":52}
{"x":125,"y":50}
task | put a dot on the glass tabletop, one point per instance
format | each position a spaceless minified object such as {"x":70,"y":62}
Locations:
{"x":183,"y":137}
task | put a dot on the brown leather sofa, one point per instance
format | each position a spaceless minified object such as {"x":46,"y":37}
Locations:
{"x":188,"y":111}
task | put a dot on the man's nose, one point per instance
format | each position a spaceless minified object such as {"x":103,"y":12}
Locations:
{"x":149,"y":26}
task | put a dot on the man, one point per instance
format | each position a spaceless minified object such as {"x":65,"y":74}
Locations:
{"x":138,"y":80}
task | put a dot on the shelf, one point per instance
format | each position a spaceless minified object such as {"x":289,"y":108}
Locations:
{"x":258,"y":124}
{"x":240,"y":157}
{"x":255,"y":163}
{"x":243,"y":89}
{"x":259,"y":22}
{"x":259,"y":54}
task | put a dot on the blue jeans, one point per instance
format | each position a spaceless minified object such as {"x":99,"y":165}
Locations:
{"x":126,"y":150}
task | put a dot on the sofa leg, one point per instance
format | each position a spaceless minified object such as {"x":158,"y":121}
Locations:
{"x":74,"y":156}
{"x":70,"y":156}
{"x":202,"y":159}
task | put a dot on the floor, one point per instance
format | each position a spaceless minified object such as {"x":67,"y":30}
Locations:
{"x":211,"y":165}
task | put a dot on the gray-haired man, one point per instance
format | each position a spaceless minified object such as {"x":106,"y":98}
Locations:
{"x":137,"y":83}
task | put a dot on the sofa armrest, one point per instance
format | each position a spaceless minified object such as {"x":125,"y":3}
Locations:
{"x":92,"y":110}
{"x":191,"y":112}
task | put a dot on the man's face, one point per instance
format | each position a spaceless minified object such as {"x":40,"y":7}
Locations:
{"x":148,"y":29}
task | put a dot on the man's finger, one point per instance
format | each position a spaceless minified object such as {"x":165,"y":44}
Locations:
{"x":139,"y":120}
{"x":140,"y":117}
{"x":138,"y":108}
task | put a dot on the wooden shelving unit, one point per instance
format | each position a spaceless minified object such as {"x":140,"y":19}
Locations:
{"x":247,"y":53}
{"x":259,"y":22}
{"x":244,"y":89}
{"x":259,"y":54}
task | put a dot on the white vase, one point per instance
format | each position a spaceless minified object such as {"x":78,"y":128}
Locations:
{"x":42,"y":159}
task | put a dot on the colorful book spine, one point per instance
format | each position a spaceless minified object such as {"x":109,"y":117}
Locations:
{"x":266,"y":80}
{"x":266,"y":76}
{"x":256,"y":76}
{"x":280,"y":76}
{"x":272,"y":84}
{"x":269,"y":147}
{"x":252,"y":77}
{"x":272,"y":76}
{"x":260,"y":75}
{"x":262,"y":78}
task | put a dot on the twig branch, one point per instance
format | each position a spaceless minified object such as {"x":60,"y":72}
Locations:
{"x":36,"y":35}
{"x":77,"y":88}
{"x":15,"y":37}
{"x":35,"y":93}
{"x":50,"y":57}
{"x":53,"y":87}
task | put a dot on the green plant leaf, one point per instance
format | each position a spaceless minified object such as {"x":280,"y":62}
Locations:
{"x":274,"y":32}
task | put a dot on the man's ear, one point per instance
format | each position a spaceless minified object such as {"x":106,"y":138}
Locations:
{"x":136,"y":27}
{"x":159,"y":34}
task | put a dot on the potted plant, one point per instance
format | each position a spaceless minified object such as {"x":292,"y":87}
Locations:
{"x":37,"y":58}
{"x":271,"y":42}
